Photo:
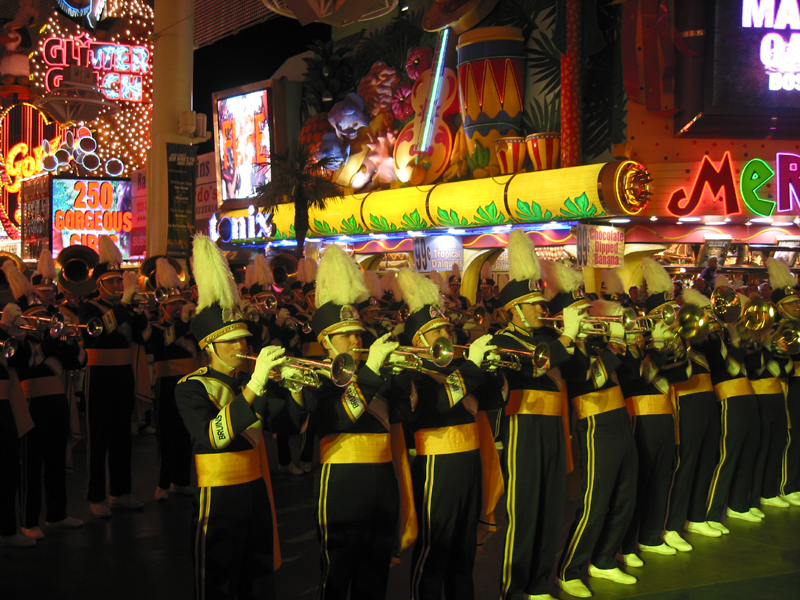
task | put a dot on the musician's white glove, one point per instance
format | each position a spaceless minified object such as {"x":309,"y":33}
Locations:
{"x":269,"y":358}
{"x":378,"y":352}
{"x":188,"y":311}
{"x":616,"y":333}
{"x":291,"y":374}
{"x":130,"y":285}
{"x":573,"y":317}
{"x":12,"y":316}
{"x":281,"y":317}
{"x":398,"y":329}
{"x":479,"y":348}
{"x":660,"y":334}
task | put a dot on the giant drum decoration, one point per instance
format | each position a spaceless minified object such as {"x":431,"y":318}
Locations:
{"x":491,"y":83}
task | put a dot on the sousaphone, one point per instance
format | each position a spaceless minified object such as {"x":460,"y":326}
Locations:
{"x":77,"y":263}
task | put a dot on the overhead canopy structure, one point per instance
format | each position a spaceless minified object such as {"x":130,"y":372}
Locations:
{"x":332,"y":12}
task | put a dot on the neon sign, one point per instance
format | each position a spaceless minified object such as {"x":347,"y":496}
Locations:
{"x":720,"y":182}
{"x":119,"y":68}
{"x":23,"y":162}
{"x":256,"y":225}
{"x":781,"y":58}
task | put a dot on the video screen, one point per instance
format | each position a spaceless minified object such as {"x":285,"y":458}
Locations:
{"x":244,"y":143}
{"x":84,"y":209}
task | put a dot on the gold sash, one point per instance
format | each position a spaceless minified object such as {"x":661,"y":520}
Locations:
{"x":733,"y":388}
{"x":536,"y":402}
{"x":354,"y":448}
{"x":43,"y":386}
{"x":601,"y":401}
{"x":649,"y":404}
{"x":108,"y":357}
{"x":448,"y":440}
{"x":764,"y":387}
{"x":227,"y":468}
{"x":698,"y":383}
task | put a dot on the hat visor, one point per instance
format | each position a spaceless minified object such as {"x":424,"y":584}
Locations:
{"x":350,"y":326}
{"x":232,"y":335}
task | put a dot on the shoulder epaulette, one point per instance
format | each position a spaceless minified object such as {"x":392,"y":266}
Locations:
{"x":200,"y":371}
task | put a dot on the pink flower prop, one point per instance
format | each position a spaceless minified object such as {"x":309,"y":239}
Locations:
{"x":401,"y":101}
{"x":419,"y":60}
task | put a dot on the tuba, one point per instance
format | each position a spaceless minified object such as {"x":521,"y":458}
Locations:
{"x":756,"y":322}
{"x":77,"y":263}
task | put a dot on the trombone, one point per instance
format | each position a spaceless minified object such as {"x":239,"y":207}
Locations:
{"x":341,"y":371}
{"x":440,"y":353}
{"x":506,"y":358}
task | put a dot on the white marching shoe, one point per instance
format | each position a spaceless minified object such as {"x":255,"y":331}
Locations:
{"x":703,"y":528}
{"x":614,"y":575}
{"x":673,"y":539}
{"x":575,"y":587}
{"x":719,"y":527}
{"x":631,"y":560}
{"x":757,"y":512}
{"x":776,"y":501}
{"x":664,"y":549}
{"x":743,"y":516}
{"x":793,"y":498}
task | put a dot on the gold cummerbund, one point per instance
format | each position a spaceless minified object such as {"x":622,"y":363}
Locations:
{"x":42,"y":386}
{"x":176,"y":367}
{"x":535,"y":402}
{"x":598,"y":402}
{"x":733,"y":388}
{"x":4,"y":389}
{"x":448,"y":440}
{"x":227,"y":468}
{"x":650,"y":404}
{"x":354,"y":448}
{"x":764,"y":387}
{"x":108,"y":357}
{"x":697,"y":384}
{"x":796,"y":369}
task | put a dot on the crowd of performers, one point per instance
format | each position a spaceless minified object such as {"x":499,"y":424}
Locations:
{"x":678,"y":416}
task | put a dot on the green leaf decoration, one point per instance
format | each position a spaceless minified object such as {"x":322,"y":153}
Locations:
{"x":350,"y":226}
{"x":414,"y":221}
{"x":452,"y":219}
{"x":480,"y":157}
{"x":324,"y":228}
{"x":489,"y":215}
{"x":532,"y":212}
{"x":381,"y":224}
{"x":579,"y":208}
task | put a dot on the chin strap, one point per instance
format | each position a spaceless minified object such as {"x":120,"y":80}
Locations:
{"x":228,"y":368}
{"x":522,"y":317}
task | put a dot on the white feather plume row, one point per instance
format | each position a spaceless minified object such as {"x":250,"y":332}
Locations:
{"x":108,"y":251}
{"x":386,"y":281}
{"x":604,"y":308}
{"x":656,"y":277}
{"x":215,"y":283}
{"x":486,"y":271}
{"x":744,"y":301}
{"x":455,"y":271}
{"x":166,"y":275}
{"x":502,"y":281}
{"x":261,"y":273}
{"x":613,"y":282}
{"x":560,"y":278}
{"x":373,"y":283}
{"x":310,"y":269}
{"x":780,"y":276}
{"x":339,"y":279}
{"x":418,"y":290}
{"x":691,"y":296}
{"x":47,"y":266}
{"x":437,"y":278}
{"x":523,"y":264}
{"x":249,"y":275}
{"x":19,"y":284}
{"x":721,"y":280}
{"x":301,"y":269}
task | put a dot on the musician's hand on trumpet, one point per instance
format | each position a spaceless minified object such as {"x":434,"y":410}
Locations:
{"x":12,"y":318}
{"x":130,"y":287}
{"x":479,"y":348}
{"x":379,"y":351}
{"x":269,"y":358}
{"x":573,"y":316}
{"x":188,"y":312}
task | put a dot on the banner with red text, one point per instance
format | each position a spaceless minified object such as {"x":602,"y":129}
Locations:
{"x":600,"y":247}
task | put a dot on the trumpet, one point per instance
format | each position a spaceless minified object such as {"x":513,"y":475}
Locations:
{"x":294,"y":324}
{"x":93,"y":327}
{"x":600,"y":325}
{"x":53,"y":325}
{"x":395,"y":317}
{"x":506,"y":358}
{"x":341,"y":371}
{"x":787,"y":338}
{"x":665,"y":313}
{"x":440,"y":354}
{"x":158,"y":296}
{"x":10,"y":347}
{"x":477,"y":315}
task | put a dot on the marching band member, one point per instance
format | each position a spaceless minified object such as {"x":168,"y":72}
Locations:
{"x":40,"y":361}
{"x":456,"y":475}
{"x":533,"y":429}
{"x":362,"y":486}
{"x":647,"y":395}
{"x":235,"y":539}
{"x":175,"y":353}
{"x":699,"y":432}
{"x":44,"y":280}
{"x":609,"y":461}
{"x":786,"y":299}
{"x":368,"y":309}
{"x":486,"y":291}
{"x":110,"y":380}
{"x":454,"y":284}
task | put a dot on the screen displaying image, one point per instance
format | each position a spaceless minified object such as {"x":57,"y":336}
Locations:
{"x":244,"y":143}
{"x":84,"y":209}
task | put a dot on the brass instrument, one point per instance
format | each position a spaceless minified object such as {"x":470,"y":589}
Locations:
{"x":93,"y":327}
{"x":725,"y":304}
{"x":392,"y":316}
{"x":756,"y":321}
{"x":787,"y":338}
{"x":158,"y":296}
{"x":665,"y":313}
{"x":601,"y":325}
{"x":10,"y":347}
{"x":53,"y":325}
{"x":341,"y":371}
{"x":506,"y":358}
{"x":77,"y":263}
{"x":477,"y":315}
{"x":294,"y":324}
{"x":148,"y":269}
{"x":439,"y":353}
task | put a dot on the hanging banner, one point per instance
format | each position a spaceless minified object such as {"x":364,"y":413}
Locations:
{"x":600,"y":247}
{"x":181,"y":162}
{"x":438,"y":253}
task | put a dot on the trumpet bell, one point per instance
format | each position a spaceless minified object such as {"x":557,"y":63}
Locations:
{"x":94,"y":327}
{"x":693,"y":323}
{"x":77,"y":263}
{"x":442,"y":352}
{"x":343,"y":369}
{"x":10,"y":347}
{"x":787,"y":338}
{"x":759,"y":315}
{"x":726,"y":305}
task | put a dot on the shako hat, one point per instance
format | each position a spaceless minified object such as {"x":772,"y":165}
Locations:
{"x":218,"y":317}
{"x":782,"y":282}
{"x":524,"y":272}
{"x":309,"y":276}
{"x":455,"y":274}
{"x":21,"y":289}
{"x":659,"y":284}
{"x":370,"y":301}
{"x":563,"y":286}
{"x":110,"y":264}
{"x":339,"y":284}
{"x":167,"y":277}
{"x":424,"y":301}
{"x":486,"y":275}
{"x":46,"y":275}
{"x":262,"y":281}
{"x":612,"y":285}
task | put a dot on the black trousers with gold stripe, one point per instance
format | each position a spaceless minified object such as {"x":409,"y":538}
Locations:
{"x":733,"y":475}
{"x":232,"y":542}
{"x":9,"y":471}
{"x":447,"y":496}
{"x":609,"y":465}
{"x":535,"y":471}
{"x":790,"y":475}
{"x":655,"y":444}
{"x":774,"y":434}
{"x":698,"y":454}
{"x":357,"y":518}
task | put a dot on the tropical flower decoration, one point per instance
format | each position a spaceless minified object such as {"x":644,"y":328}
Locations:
{"x":419,"y":60}
{"x":401,"y":101}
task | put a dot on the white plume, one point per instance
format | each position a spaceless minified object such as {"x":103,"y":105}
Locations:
{"x":560,"y":278}
{"x":437,"y":278}
{"x":613,"y":282}
{"x":249,"y":275}
{"x":166,"y":275}
{"x":261,"y":273}
{"x":780,"y":276}
{"x":47,"y":266}
{"x":215,"y":283}
{"x":19,"y":284}
{"x":604,"y":308}
{"x":502,"y":281}
{"x":486,"y":271}
{"x":301,"y":270}
{"x":373,"y":283}
{"x":339,"y":279}
{"x":691,"y":296}
{"x":418,"y":290}
{"x":721,"y":280}
{"x":109,"y":252}
{"x":656,"y":277}
{"x":309,"y":271}
{"x":455,"y":271}
{"x":523,"y":264}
